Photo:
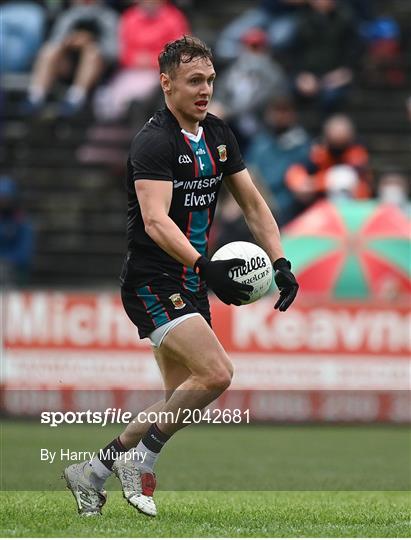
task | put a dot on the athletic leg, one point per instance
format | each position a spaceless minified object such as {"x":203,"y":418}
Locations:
{"x":173,"y":374}
{"x":196,"y":370}
{"x":194,"y":346}
{"x":86,"y":480}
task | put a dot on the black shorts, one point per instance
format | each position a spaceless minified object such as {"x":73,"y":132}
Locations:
{"x":160,"y":301}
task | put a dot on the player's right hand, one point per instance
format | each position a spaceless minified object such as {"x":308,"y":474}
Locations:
{"x":215,"y":274}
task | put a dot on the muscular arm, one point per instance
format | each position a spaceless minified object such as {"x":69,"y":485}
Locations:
{"x":154,"y":198}
{"x":256,"y":212}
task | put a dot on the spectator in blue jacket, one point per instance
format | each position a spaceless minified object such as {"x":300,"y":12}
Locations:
{"x":16,"y":236}
{"x":22,"y":32}
{"x":281,"y":143}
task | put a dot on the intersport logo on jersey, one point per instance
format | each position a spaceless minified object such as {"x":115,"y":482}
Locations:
{"x":195,"y":198}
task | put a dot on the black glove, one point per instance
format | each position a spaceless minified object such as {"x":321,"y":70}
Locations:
{"x":286,"y":283}
{"x":215,"y":274}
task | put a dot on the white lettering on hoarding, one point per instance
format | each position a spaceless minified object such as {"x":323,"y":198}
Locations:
{"x":80,"y":325}
{"x":289,"y":330}
{"x":321,"y":336}
{"x":58,"y":319}
{"x":252,"y":326}
{"x":112,"y":325}
{"x":26,"y":318}
{"x":322,"y":329}
{"x":362,"y":407}
{"x":99,"y":321}
{"x":388,"y":329}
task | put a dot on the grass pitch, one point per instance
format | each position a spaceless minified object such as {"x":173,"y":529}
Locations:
{"x":196,"y":514}
{"x":268,"y":481}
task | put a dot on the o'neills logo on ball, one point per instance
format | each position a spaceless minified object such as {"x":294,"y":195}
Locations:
{"x":255,"y":263}
{"x":178,"y":302}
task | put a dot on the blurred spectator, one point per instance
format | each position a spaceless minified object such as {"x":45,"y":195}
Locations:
{"x":82,"y":46}
{"x":144,"y":30}
{"x":243,"y":90}
{"x":16,"y":236}
{"x":54,"y":7}
{"x":384,"y":57}
{"x":362,"y":9}
{"x":341,"y":182}
{"x":408,"y":105}
{"x":338,"y":147}
{"x":22,"y":32}
{"x":281,"y":143}
{"x":325,"y":53}
{"x":279,"y":18}
{"x":394,"y":188}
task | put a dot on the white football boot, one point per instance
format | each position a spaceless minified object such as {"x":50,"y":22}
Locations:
{"x":89,"y":499}
{"x":138,"y":486}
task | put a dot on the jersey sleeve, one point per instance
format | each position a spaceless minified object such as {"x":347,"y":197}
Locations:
{"x":151,"y":156}
{"x":235,"y":161}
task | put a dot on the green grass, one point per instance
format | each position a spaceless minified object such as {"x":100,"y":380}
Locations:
{"x":193,"y":514}
{"x":222,"y":481}
{"x":234,"y":458}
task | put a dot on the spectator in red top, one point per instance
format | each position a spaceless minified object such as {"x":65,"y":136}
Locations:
{"x":338,"y":158}
{"x":144,"y":30}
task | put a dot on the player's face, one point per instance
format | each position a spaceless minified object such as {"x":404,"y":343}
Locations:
{"x":191,"y":87}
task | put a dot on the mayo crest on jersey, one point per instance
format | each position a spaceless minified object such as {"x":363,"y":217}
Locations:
{"x":196,"y":166}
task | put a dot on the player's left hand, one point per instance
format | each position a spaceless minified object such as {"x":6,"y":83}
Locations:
{"x":286,"y":283}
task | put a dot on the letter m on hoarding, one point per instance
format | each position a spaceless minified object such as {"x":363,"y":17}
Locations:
{"x":25,"y":318}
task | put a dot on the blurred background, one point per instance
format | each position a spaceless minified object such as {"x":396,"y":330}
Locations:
{"x":318,"y":93}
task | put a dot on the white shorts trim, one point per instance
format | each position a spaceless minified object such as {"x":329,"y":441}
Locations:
{"x":156,"y":337}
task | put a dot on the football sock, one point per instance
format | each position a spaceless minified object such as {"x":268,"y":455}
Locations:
{"x":150,"y":447}
{"x":145,"y":458}
{"x":101,"y":466}
{"x":96,"y":473}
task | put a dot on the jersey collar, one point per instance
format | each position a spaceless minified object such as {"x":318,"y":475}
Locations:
{"x":191,"y":136}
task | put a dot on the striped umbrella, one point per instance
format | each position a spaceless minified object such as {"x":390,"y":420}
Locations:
{"x":351,"y":249}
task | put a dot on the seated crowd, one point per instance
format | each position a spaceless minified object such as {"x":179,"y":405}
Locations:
{"x":274,"y":61}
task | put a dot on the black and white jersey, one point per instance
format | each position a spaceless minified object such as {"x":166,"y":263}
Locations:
{"x":196,"y":165}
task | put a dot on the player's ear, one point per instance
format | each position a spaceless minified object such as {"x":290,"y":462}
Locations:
{"x":165,"y":82}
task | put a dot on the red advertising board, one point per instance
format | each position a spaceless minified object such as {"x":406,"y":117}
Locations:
{"x":316,"y":353}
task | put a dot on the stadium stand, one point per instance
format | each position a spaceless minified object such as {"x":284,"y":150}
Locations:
{"x":75,"y":195}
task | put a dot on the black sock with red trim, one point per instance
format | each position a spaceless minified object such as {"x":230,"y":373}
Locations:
{"x":111,"y":452}
{"x":155,"y":439}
